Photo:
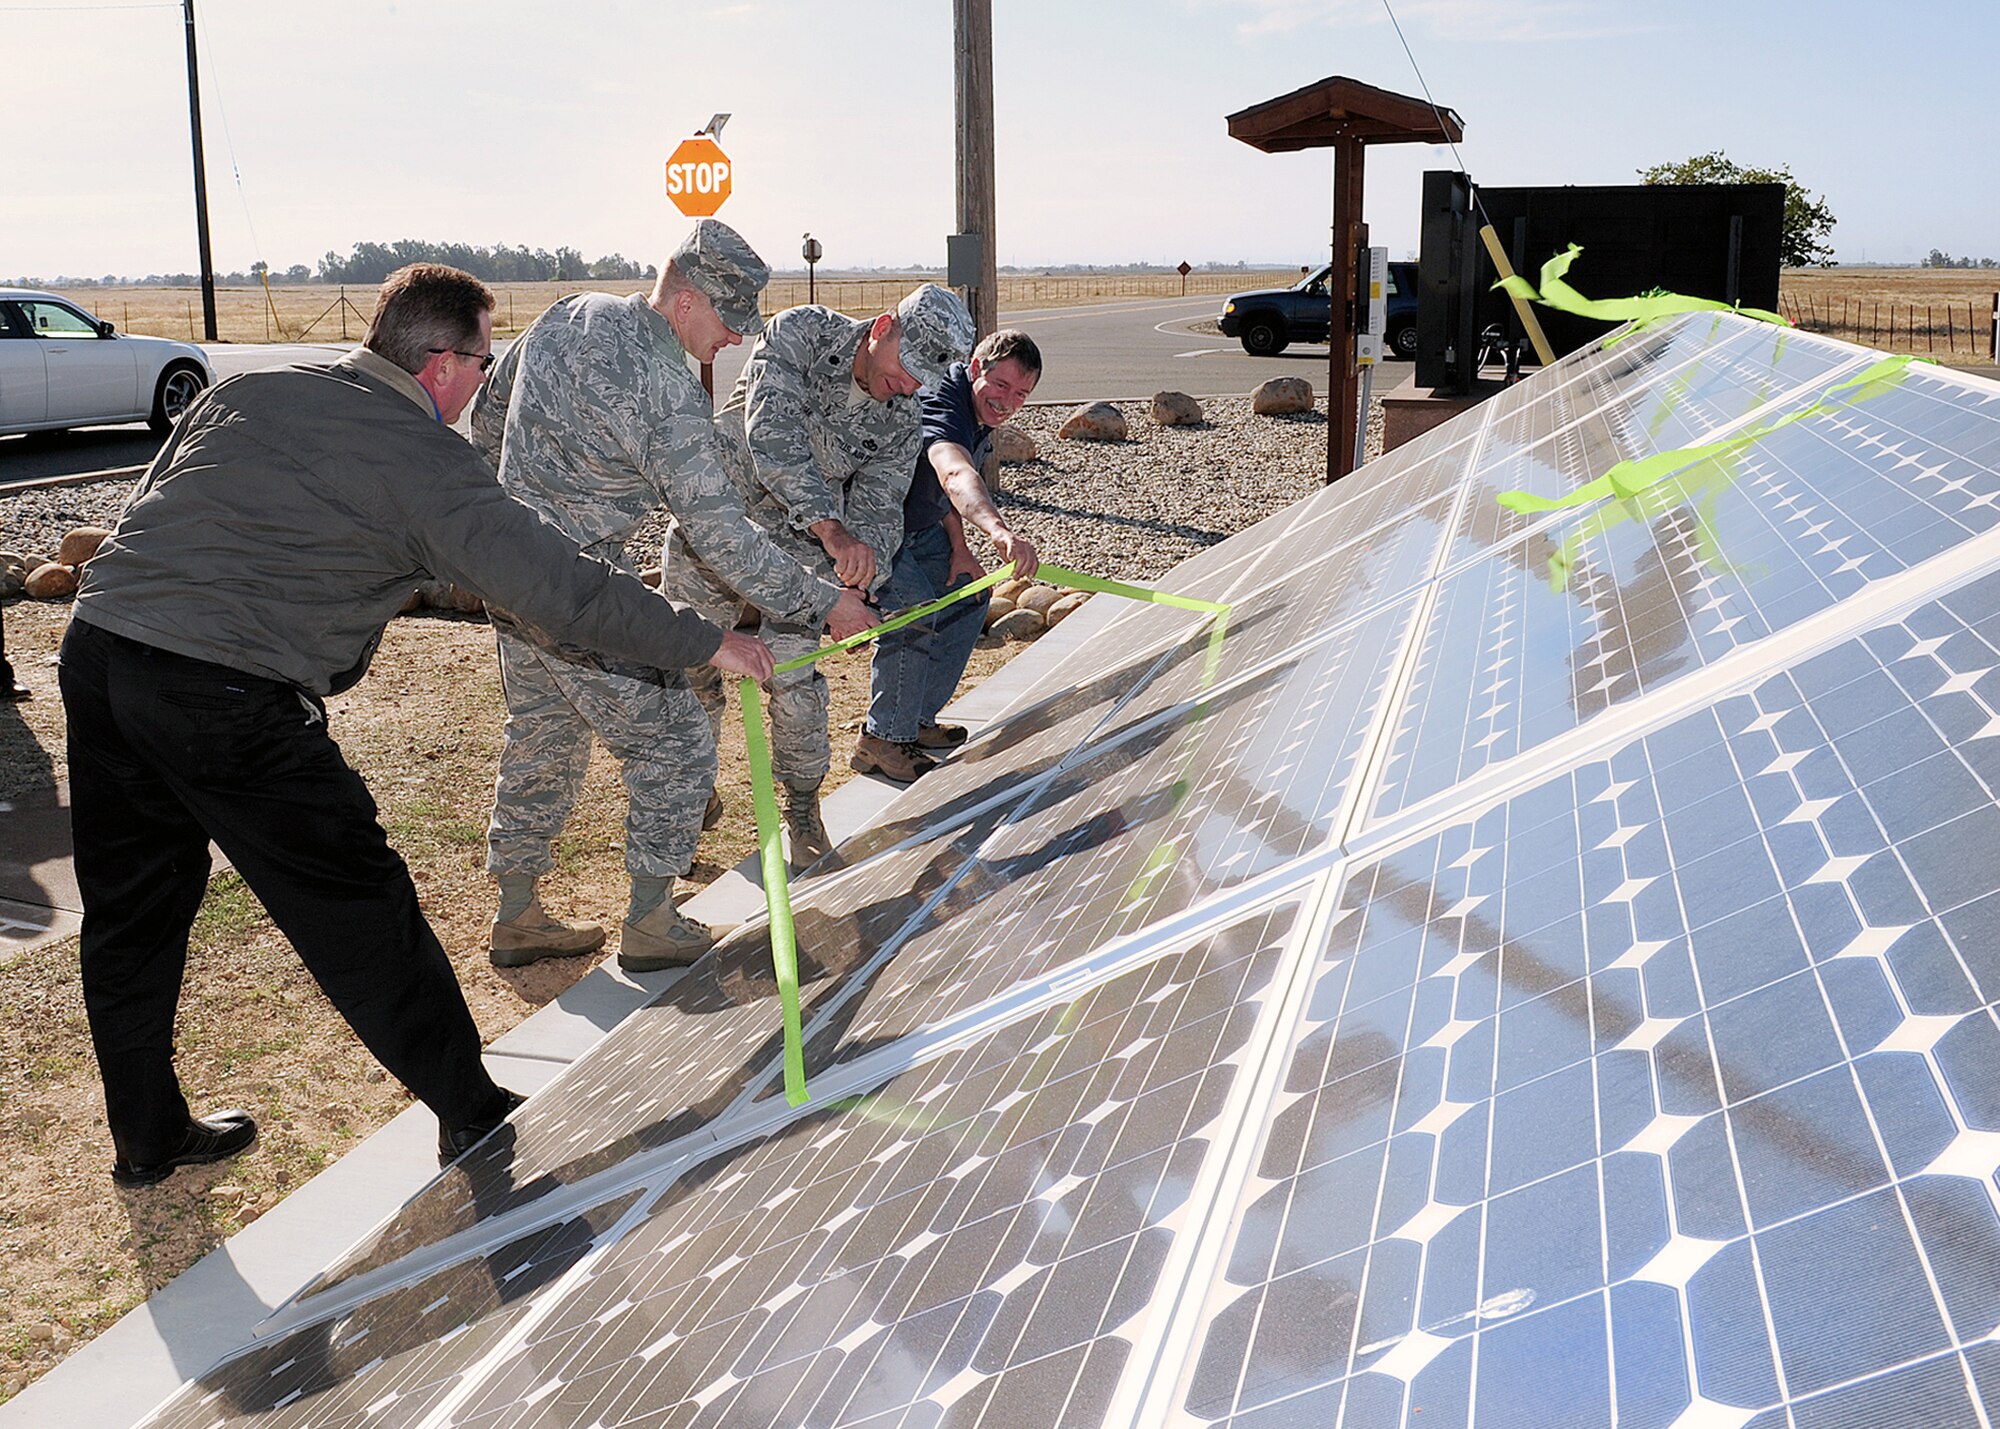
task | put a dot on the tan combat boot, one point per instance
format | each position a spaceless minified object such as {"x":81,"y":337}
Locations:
{"x":903,"y":763}
{"x":533,"y":935}
{"x":941,"y":736}
{"x":664,"y":937}
{"x":805,"y":829}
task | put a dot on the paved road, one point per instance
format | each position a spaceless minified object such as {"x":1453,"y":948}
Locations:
{"x":1136,"y":347}
{"x":1127,"y":349}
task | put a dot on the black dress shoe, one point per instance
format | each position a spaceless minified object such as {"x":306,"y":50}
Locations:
{"x":213,"y":1138}
{"x":454,"y":1144}
{"x":10,"y":690}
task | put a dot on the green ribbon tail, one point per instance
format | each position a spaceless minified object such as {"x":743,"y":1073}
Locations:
{"x":777,"y":889}
{"x":1558,"y":294}
{"x":1079,"y":581}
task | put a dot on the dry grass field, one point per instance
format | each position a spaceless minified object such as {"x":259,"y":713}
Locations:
{"x":1920,"y":310}
{"x":316,"y":313}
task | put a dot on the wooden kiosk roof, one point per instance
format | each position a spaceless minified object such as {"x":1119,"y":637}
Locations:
{"x":1335,"y":109}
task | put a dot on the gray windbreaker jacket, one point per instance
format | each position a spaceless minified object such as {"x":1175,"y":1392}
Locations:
{"x":292,"y":512}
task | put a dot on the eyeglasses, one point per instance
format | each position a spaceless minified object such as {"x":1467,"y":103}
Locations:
{"x":485,"y":358}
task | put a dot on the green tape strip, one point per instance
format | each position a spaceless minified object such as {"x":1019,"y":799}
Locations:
{"x":764,"y":797}
{"x":900,"y":619}
{"x":1645,"y":487}
{"x":777,"y":890}
{"x":1558,"y":294}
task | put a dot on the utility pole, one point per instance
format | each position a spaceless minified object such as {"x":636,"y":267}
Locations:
{"x":972,"y":30}
{"x":200,"y":182}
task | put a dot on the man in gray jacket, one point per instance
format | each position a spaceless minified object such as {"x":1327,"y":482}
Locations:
{"x":251,"y":575}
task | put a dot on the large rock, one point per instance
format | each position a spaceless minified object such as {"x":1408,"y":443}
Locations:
{"x":995,"y":608}
{"x":13,"y":573}
{"x":1011,"y":444}
{"x":52,"y":581}
{"x":1095,"y":422}
{"x":1175,"y":409}
{"x":1065,"y":607}
{"x":80,"y":545}
{"x":1282,"y":395}
{"x":1037,"y":598}
{"x":1018,"y":625}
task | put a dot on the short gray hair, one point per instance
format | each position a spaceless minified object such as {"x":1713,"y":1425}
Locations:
{"x":426,"y":307}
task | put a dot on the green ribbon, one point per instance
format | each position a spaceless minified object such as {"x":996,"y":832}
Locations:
{"x":1558,"y":294}
{"x":763,"y":793}
{"x":1645,"y":487}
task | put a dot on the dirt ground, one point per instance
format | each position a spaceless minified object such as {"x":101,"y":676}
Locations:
{"x":76,"y":1251}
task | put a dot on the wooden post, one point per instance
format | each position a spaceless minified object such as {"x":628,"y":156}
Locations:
{"x":1343,"y":379}
{"x":200,"y":182}
{"x":972,"y":31}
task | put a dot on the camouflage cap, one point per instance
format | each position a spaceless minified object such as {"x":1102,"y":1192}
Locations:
{"x":727,"y":270}
{"x":937,"y":331}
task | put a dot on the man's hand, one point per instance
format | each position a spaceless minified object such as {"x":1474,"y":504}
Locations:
{"x":1018,"y":549}
{"x":851,"y":615}
{"x":853,"y":561}
{"x":965,"y":567}
{"x":744,"y":655}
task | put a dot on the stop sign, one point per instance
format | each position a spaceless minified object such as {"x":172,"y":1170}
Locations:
{"x":698,"y":176}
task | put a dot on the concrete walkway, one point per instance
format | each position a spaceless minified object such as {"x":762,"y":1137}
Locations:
{"x":215,"y":1308}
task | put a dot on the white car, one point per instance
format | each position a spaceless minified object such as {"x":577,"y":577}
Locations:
{"x":61,"y":367}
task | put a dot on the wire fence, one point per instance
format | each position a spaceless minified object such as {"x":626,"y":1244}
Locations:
{"x":328,"y":313}
{"x":1019,"y":292}
{"x":1957,"y":327}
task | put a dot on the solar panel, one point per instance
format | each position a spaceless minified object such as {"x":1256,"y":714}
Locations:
{"x":1532,"y":970}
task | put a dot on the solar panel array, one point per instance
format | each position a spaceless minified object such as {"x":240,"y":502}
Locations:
{"x":1518,"y":971}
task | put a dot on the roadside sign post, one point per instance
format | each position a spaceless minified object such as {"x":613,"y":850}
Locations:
{"x":699,"y":177}
{"x":699,"y":181}
{"x":811,"y":253}
{"x":1184,"y":270}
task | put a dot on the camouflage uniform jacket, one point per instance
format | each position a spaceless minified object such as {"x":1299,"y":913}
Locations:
{"x":595,"y":419}
{"x":803,"y":452}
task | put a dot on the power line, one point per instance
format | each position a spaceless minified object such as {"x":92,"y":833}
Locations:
{"x":1436,"y":113}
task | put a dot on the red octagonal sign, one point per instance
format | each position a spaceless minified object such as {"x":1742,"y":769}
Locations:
{"x":698,"y":176}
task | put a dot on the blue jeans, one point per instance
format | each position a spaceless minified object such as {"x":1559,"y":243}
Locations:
{"x":916,"y":669}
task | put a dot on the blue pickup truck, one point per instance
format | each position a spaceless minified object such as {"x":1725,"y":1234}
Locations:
{"x":1270,"y":320}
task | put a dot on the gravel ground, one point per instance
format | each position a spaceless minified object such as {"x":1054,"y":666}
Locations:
{"x":1128,"y":510}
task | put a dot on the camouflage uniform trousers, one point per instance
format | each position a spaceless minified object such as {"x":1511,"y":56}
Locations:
{"x":659,"y":736}
{"x":800,"y":753}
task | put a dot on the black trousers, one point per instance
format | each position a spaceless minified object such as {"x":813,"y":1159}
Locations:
{"x":166,"y":753}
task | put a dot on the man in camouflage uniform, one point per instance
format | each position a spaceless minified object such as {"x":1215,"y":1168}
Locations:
{"x":821,"y":434}
{"x":595,"y":420}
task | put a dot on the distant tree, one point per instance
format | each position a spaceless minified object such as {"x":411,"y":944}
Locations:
{"x":1808,"y":221}
{"x":1938,"y":259}
{"x":570,"y":266}
{"x":298,"y":273}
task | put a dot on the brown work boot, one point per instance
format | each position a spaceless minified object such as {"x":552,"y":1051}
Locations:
{"x":534,"y":935}
{"x":712,"y":815}
{"x":941,"y":736}
{"x":807,"y":833}
{"x":663,"y":938}
{"x":903,"y":763}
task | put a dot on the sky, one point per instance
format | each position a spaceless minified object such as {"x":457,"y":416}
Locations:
{"x":504,"y":122}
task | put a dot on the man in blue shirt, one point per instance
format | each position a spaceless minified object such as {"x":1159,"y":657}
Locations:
{"x":916,"y":669}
